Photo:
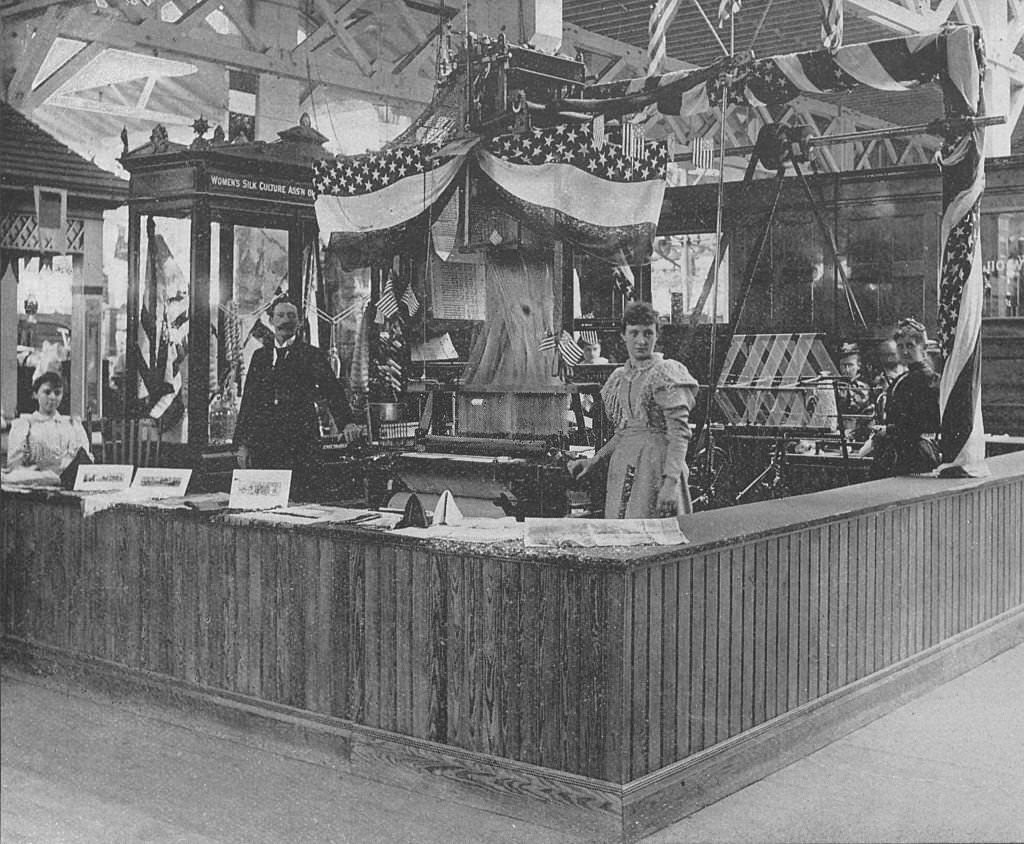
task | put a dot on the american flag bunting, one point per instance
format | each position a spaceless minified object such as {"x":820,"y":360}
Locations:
{"x":567,"y":185}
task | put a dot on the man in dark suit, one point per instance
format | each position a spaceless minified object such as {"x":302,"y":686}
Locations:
{"x":278,"y":426}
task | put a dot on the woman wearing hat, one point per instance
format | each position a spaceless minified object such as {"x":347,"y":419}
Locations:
{"x":904,"y":443}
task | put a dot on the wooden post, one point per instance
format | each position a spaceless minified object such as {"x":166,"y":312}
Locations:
{"x":198,"y":384}
{"x":131,"y":340}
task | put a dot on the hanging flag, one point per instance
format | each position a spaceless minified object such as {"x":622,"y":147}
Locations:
{"x":633,"y":141}
{"x":568,"y":187}
{"x":726,"y":10}
{"x":832,"y":24}
{"x":409,"y":299}
{"x":547,"y":342}
{"x":387,"y":305}
{"x":598,"y":130}
{"x":378,"y":191}
{"x":703,"y":154}
{"x":961,"y":280}
{"x":662,"y":14}
{"x":567,"y":348}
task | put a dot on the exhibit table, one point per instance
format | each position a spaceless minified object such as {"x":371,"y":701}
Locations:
{"x":615,"y":689}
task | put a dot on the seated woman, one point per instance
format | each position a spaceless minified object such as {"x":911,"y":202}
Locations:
{"x":648,"y":401}
{"x":45,"y":440}
{"x":904,"y":443}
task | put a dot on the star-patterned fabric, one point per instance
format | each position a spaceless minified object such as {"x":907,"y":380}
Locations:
{"x":961,"y":281}
{"x":567,"y":185}
{"x":382,"y":190}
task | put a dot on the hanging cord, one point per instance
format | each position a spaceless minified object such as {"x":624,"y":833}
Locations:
{"x":760,"y":23}
{"x":712,"y":374}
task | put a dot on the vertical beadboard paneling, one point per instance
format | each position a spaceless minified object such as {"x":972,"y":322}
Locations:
{"x":607,"y":671}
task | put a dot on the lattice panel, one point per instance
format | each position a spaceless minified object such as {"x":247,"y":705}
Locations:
{"x":769,"y":380}
{"x":21,"y":233}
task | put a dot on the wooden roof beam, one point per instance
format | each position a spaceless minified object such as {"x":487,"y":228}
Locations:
{"x":162,"y":37}
{"x":10,"y":10}
{"x":236,"y":13}
{"x":64,"y":73}
{"x":36,"y":50}
{"x":347,"y":40}
{"x":132,"y":112}
{"x":899,"y":18}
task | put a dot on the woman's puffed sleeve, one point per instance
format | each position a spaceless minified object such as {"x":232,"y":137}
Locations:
{"x":675,"y":392}
{"x":677,"y":430}
{"x":674,"y":386}
{"x":17,"y":442}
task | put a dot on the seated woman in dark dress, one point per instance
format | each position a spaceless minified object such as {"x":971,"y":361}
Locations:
{"x":904,"y":444}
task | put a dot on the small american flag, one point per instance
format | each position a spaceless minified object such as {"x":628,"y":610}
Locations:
{"x":409,"y":299}
{"x":703,"y":154}
{"x":632,"y":141}
{"x":387,"y":305}
{"x":547,"y":342}
{"x":567,"y":348}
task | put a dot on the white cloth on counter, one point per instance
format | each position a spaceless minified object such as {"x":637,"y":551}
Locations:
{"x":471,"y":529}
{"x":590,"y":533}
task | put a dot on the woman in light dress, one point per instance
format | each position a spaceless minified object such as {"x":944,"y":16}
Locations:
{"x":45,"y":440}
{"x":648,"y":401}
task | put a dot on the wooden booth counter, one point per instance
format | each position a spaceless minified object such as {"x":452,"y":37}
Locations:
{"x":614,"y":690}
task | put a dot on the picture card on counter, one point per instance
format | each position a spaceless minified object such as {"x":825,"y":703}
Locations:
{"x":161,"y":483}
{"x":259,"y":489}
{"x":103,"y":477}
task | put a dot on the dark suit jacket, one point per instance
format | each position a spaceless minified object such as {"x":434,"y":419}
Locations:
{"x":278,"y":412}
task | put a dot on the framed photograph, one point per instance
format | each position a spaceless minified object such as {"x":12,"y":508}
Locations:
{"x":161,"y":483}
{"x":259,"y":489}
{"x":103,"y":477}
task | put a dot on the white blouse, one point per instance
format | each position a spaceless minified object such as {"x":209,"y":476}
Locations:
{"x":45,"y":442}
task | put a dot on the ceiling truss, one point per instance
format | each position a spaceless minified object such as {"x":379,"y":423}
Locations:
{"x":384,"y":51}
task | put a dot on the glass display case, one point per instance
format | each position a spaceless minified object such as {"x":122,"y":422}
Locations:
{"x":215,"y":231}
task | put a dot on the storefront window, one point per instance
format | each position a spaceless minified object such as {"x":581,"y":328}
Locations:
{"x":681,"y":265}
{"x":44,"y":325}
{"x":1002,"y":250}
{"x":165,"y":258}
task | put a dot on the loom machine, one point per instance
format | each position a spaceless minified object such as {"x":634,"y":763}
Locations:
{"x":500,"y":441}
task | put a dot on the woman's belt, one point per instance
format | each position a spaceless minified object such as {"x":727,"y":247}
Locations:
{"x":637,"y":430}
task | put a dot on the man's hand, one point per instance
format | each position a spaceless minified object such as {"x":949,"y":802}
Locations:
{"x":242,"y":456}
{"x":353,"y":431}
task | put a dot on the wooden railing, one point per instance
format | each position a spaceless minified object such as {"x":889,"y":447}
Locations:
{"x":608,"y":664}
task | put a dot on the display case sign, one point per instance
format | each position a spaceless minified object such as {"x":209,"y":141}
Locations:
{"x":259,"y":489}
{"x":260,"y":187}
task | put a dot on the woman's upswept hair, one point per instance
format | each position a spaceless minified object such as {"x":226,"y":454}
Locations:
{"x":910,"y":327}
{"x":638,"y":313}
{"x":51,"y":378}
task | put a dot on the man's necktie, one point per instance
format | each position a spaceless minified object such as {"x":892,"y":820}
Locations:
{"x":280,"y":353}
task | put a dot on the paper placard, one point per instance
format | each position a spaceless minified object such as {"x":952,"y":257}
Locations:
{"x":259,"y":489}
{"x":103,"y":477}
{"x":161,"y":483}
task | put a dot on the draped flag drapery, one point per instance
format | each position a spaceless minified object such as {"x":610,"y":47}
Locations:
{"x":567,"y":186}
{"x":560,"y":180}
{"x":369,"y":200}
{"x":961,"y":283}
{"x":891,"y":64}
